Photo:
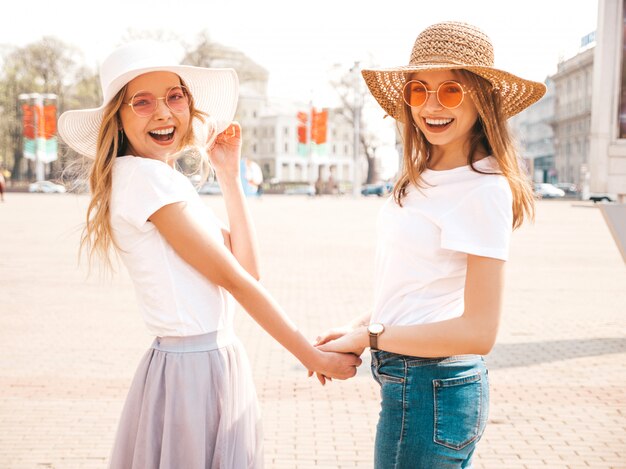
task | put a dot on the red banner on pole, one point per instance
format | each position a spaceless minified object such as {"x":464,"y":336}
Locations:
{"x":50,"y":120}
{"x":28,"y":121}
{"x":319,"y":121}
{"x":303,"y":119}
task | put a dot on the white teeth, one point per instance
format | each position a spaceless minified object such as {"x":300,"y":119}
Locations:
{"x":438,"y":121}
{"x":163,"y":131}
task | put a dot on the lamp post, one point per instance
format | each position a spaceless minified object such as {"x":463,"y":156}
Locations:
{"x":357,"y":106}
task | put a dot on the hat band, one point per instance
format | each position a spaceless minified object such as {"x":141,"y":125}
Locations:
{"x":443,"y":60}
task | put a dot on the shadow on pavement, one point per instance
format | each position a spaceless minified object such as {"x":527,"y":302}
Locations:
{"x":534,"y":353}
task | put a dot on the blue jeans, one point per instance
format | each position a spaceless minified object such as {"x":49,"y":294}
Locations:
{"x":433,"y":410}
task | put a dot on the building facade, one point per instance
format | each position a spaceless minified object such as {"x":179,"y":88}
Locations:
{"x":573,"y":85}
{"x":533,"y":130}
{"x":607,"y":165}
{"x":270,"y":134}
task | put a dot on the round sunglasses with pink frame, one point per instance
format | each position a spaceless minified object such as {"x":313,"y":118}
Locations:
{"x":144,"y":103}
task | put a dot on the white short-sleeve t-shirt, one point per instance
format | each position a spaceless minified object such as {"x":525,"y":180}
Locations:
{"x":421,"y":256}
{"x":174,"y":298}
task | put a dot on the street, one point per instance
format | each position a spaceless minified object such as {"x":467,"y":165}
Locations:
{"x":71,"y":342}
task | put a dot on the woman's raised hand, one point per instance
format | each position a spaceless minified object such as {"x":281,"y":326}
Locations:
{"x":225,"y":151}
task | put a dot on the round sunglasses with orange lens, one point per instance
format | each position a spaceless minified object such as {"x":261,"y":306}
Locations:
{"x":450,"y":94}
{"x":144,"y":103}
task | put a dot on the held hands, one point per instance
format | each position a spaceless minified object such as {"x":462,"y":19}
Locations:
{"x":225,"y":152}
{"x":334,"y":365}
{"x":341,"y":341}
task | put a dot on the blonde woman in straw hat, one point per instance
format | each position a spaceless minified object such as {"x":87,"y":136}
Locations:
{"x":192,"y":402}
{"x":443,"y":242}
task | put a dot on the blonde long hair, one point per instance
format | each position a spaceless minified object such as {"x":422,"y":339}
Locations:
{"x":97,"y":238}
{"x":490,"y":132}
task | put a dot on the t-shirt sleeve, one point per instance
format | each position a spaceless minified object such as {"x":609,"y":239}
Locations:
{"x":151,"y":185}
{"x":481,"y":224}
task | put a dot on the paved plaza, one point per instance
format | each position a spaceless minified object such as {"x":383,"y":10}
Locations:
{"x":70,"y":343}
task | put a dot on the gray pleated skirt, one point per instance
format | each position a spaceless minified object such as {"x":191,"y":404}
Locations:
{"x":191,"y":405}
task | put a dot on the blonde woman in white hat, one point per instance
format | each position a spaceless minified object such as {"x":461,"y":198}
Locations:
{"x":192,"y":403}
{"x":443,"y":239}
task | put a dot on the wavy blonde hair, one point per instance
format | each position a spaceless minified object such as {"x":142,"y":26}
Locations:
{"x":97,"y":238}
{"x":490,"y":132}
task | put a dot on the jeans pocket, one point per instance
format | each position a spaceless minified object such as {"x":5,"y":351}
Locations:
{"x":393,"y":372}
{"x":460,"y":410}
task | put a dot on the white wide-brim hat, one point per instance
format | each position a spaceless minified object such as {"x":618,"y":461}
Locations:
{"x":214,"y":90}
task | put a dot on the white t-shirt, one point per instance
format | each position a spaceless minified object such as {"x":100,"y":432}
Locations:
{"x":421,"y":257}
{"x":174,"y":298}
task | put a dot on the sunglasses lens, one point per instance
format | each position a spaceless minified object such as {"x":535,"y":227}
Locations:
{"x":144,"y":103}
{"x":177,"y":99}
{"x":450,"y":94}
{"x":415,"y":93}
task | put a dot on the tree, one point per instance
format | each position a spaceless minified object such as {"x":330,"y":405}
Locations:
{"x":46,"y":66}
{"x":349,"y":88}
{"x":83,"y":93}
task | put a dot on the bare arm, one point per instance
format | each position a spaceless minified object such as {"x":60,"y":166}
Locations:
{"x":225,"y":156}
{"x":216,"y":263}
{"x":472,"y":333}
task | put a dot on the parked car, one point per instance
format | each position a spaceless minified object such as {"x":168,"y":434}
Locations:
{"x":306,"y":189}
{"x":211,"y":188}
{"x":379,"y":189}
{"x":544,"y":190}
{"x":568,"y":188}
{"x":47,"y":187}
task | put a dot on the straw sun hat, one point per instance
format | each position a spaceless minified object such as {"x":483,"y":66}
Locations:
{"x":214,"y":91}
{"x":449,"y":46}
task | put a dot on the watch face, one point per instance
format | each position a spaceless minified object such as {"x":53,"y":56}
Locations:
{"x":375,"y":328}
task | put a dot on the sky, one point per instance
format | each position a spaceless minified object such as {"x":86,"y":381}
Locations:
{"x":300,"y":43}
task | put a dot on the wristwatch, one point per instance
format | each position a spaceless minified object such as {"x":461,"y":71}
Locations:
{"x":375,"y":330}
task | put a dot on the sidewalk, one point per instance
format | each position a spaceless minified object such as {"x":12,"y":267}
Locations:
{"x":71,"y":344}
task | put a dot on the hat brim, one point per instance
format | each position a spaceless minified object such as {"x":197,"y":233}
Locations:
{"x":215,"y":91}
{"x":386,"y":85}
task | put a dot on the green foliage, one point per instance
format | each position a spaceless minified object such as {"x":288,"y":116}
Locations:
{"x":46,"y":66}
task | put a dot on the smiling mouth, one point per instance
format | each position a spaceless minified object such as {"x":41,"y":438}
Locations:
{"x":163,"y":135}
{"x":437,"y":124}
